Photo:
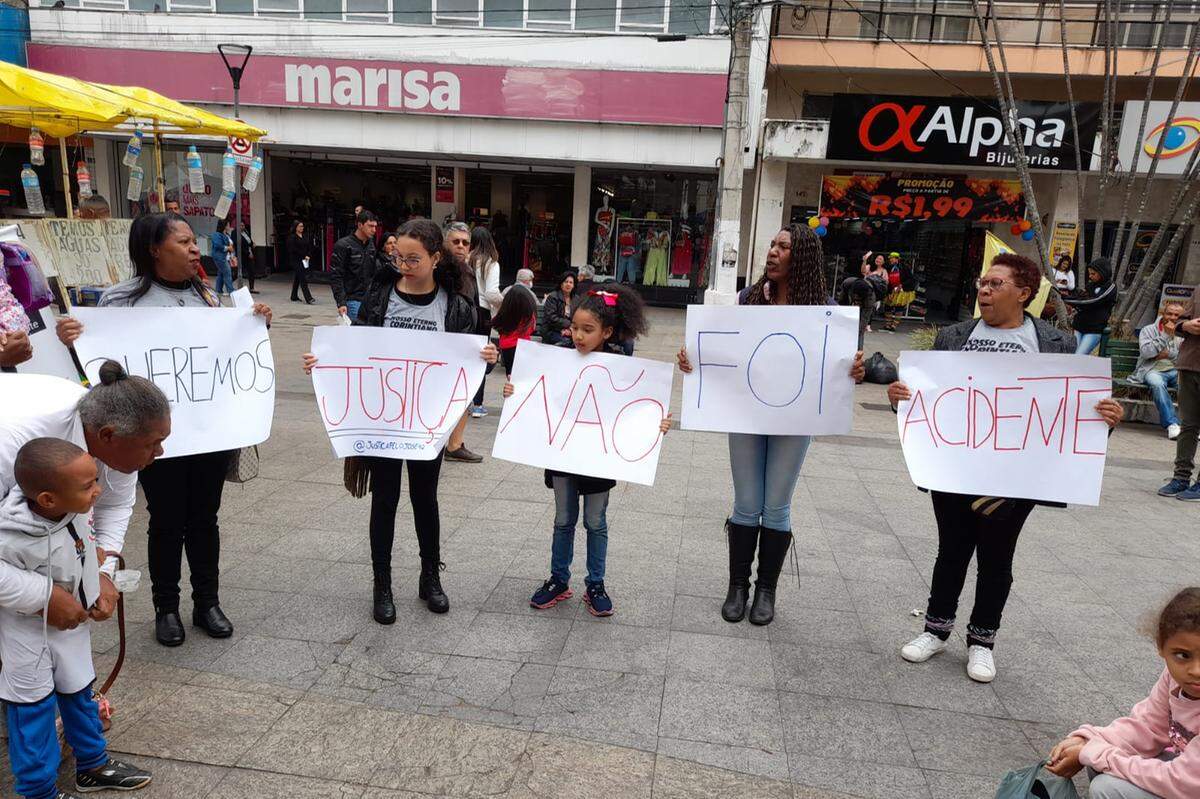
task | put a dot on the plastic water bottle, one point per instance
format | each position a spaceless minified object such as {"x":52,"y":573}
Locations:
{"x":228,"y":172}
{"x":84,"y":178}
{"x":253,"y":174}
{"x":224,"y":204}
{"x":195,"y":169}
{"x":133,"y":149}
{"x":136,"y":176}
{"x":37,"y":147}
{"x":33,"y":191}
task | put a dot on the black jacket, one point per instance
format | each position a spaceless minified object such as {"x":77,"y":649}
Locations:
{"x":1095,"y":304}
{"x":460,"y":313}
{"x":555,"y":317}
{"x":586,"y":485}
{"x":298,"y":249}
{"x":352,"y":266}
{"x":908,"y":281}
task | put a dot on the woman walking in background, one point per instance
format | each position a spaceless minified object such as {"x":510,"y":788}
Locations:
{"x":484,"y":263}
{"x":298,"y":253}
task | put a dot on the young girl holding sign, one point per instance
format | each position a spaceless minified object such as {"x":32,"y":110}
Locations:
{"x":1149,"y":753}
{"x":420,"y":289}
{"x":601,"y":321}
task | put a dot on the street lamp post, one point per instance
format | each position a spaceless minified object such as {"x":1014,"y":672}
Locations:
{"x":235,"y":57}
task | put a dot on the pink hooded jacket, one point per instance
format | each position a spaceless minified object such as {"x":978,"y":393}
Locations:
{"x":1163,"y":723}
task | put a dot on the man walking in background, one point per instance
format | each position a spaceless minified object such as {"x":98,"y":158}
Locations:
{"x":1188,"y":365}
{"x":352,"y":264}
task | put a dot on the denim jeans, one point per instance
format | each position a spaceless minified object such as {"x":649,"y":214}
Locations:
{"x":627,"y":268}
{"x":566,"y":516}
{"x":1158,"y":383}
{"x":224,"y":278}
{"x":352,"y":307}
{"x":1086,"y":342}
{"x":765,"y":471}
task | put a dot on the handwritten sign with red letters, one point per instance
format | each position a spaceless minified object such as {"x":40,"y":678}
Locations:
{"x":391,"y":393}
{"x":596,"y":415}
{"x":1006,"y":425}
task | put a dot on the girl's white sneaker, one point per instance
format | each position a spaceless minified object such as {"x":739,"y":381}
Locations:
{"x":922,"y":648}
{"x":981,"y":667}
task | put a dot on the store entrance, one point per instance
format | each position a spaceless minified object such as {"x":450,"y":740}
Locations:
{"x":529,"y":214}
{"x":945,"y":257}
{"x":323,"y":193}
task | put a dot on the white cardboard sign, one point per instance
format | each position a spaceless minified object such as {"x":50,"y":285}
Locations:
{"x":214,"y":364}
{"x":392,"y":393}
{"x":776,"y":370}
{"x":1005,"y":425}
{"x":596,"y":415}
{"x":50,"y":356}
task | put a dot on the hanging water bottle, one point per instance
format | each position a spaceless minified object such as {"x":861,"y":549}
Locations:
{"x":133,"y":149}
{"x":33,"y":191}
{"x":253,"y":174}
{"x":228,"y":172}
{"x":37,"y":147}
{"x":224,"y":204}
{"x":136,"y":176}
{"x":195,"y":169}
{"x":84,"y":179}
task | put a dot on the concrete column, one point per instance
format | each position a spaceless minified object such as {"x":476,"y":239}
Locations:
{"x":768,"y":213}
{"x":502,"y":195}
{"x":460,"y":191}
{"x":581,"y":215}
{"x":260,"y":216}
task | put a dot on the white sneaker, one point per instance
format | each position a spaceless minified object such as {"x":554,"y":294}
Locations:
{"x":922,"y":648}
{"x":1173,"y":431}
{"x":980,"y":665}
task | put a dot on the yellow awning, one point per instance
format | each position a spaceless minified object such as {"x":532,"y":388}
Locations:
{"x":63,"y":106}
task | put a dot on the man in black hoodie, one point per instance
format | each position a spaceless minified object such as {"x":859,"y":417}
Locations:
{"x":1093,"y":306}
{"x":353,"y":263}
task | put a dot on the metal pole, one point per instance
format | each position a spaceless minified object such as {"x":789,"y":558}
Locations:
{"x":722,"y":278}
{"x":161,"y":180}
{"x":66,"y":174}
{"x":237,"y":198}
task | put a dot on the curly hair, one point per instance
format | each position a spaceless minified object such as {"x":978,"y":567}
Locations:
{"x":806,"y":271}
{"x":626,"y":315}
{"x":1180,"y":615}
{"x":448,"y":273}
{"x":1025,"y":272}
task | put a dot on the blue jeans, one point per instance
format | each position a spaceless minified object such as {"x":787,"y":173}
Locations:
{"x":1086,"y":342}
{"x":1158,"y":383}
{"x":765,"y":471}
{"x":566,"y":516}
{"x":352,"y":307}
{"x":33,"y":742}
{"x":224,"y":278}
{"x":627,"y":268}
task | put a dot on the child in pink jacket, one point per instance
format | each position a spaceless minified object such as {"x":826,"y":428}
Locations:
{"x":1146,"y":755}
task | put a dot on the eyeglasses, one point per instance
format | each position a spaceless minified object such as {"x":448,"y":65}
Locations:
{"x":993,"y":283}
{"x":410,"y":261}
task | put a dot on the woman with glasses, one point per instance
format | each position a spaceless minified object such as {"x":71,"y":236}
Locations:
{"x":985,"y":528}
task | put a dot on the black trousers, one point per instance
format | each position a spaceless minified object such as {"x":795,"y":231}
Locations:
{"x":386,"y":476}
{"x":483,"y":327}
{"x":963,"y":534}
{"x":183,"y":496}
{"x":507,"y":356}
{"x":300,"y":281}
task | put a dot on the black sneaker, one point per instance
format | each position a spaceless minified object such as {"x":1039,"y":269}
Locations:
{"x":597,"y":600}
{"x":112,"y":776}
{"x":550,"y":594}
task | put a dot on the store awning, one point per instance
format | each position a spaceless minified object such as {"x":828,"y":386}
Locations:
{"x":172,"y":116}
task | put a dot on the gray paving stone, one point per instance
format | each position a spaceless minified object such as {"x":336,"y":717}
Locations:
{"x":868,"y":732}
{"x":501,"y":692}
{"x":521,"y":638}
{"x":729,"y":715}
{"x":801,"y":668}
{"x":749,"y":760}
{"x":447,"y":756}
{"x":285,"y":661}
{"x":681,"y":779}
{"x":851,"y":777}
{"x":607,"y":706}
{"x":571,"y":769}
{"x":975,"y":744}
{"x":721,"y":660}
{"x":632,"y":650}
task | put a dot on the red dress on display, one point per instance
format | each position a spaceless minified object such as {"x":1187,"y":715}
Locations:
{"x":681,"y":259}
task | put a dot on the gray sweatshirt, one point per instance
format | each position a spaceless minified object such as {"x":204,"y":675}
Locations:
{"x":1151,"y":341}
{"x":36,"y":544}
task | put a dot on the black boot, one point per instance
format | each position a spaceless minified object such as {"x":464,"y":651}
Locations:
{"x":383,"y":608}
{"x":772,"y":551}
{"x":168,"y":627}
{"x":742,"y":540}
{"x":430,"y":587}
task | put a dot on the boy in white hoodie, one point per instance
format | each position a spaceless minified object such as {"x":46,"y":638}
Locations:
{"x":44,"y":529}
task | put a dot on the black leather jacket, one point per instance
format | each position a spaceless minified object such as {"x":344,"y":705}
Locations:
{"x":460,"y":312}
{"x":352,"y":266}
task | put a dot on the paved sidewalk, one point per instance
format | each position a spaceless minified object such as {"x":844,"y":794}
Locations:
{"x":312,"y":699}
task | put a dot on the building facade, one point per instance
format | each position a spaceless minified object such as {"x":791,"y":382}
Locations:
{"x":579,"y":131}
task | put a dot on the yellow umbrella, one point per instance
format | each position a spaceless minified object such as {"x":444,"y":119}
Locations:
{"x":173,"y":116}
{"x":58,"y":105}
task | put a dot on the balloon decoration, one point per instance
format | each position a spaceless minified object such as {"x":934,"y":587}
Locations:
{"x":1025,"y":224}
{"x":1015,"y":230}
{"x":819,"y":224}
{"x":1027,"y":235}
{"x":822,"y":230}
{"x":825,"y":222}
{"x":814,"y":222}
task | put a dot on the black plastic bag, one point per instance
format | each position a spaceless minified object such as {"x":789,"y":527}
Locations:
{"x":881,"y":370}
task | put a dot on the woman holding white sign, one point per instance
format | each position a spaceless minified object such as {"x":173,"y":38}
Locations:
{"x":985,"y":527}
{"x":421,"y":290}
{"x":767,"y":467}
{"x":183,"y":494}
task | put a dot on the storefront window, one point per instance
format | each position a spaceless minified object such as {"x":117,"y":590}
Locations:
{"x":652,"y":228}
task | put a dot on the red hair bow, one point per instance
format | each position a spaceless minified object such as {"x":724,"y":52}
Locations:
{"x":609,"y":297}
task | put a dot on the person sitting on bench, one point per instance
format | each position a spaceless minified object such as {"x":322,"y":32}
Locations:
{"x":1158,"y":347}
